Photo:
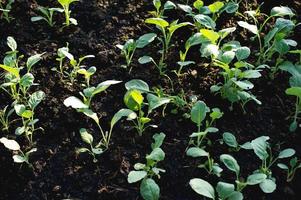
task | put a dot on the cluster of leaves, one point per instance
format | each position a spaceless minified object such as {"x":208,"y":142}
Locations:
{"x":5,"y":8}
{"x":145,"y":173}
{"x":18,"y":80}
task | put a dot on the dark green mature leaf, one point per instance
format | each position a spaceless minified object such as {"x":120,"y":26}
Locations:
{"x":202,"y":187}
{"x":149,"y":189}
{"x":230,"y":139}
{"x":198,"y":112}
{"x":230,"y":163}
{"x":205,"y":20}
{"x":196,"y":152}
{"x":145,"y":40}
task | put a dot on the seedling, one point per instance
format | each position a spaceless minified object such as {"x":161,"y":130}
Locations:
{"x":167,"y":30}
{"x":129,"y":48}
{"x":84,"y":107}
{"x":20,"y":156}
{"x":66,"y":7}
{"x":5,"y":8}
{"x":159,"y":12}
{"x":296,"y":92}
{"x":145,"y":173}
{"x":275,"y":40}
{"x":294,"y":164}
{"x":27,"y":113}
{"x":134,"y":101}
{"x":74,"y":67}
{"x":5,"y":113}
{"x":46,"y":15}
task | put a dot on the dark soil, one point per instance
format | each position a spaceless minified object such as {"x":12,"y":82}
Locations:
{"x":61,"y":174}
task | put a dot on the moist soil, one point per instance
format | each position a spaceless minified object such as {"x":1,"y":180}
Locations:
{"x":59,"y":173}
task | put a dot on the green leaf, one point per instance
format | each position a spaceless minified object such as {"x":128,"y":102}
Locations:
{"x":185,"y":8}
{"x":145,"y":39}
{"x":198,"y":4}
{"x":145,"y":59}
{"x":198,"y":112}
{"x":135,"y":176}
{"x":31,"y":61}
{"x":242,"y":53}
{"x":216,"y":114}
{"x":255,"y":179}
{"x":104,"y":85}
{"x":282,"y":166}
{"x":75,"y":103}
{"x":250,"y":27}
{"x":202,"y":187}
{"x":294,"y":91}
{"x":35,"y":99}
{"x":10,"y":144}
{"x":157,"y":4}
{"x":209,"y":50}
{"x":19,"y":159}
{"x":231,"y":7}
{"x":11,"y":43}
{"x":27,"y":80}
{"x":286,"y":153}
{"x":224,"y":190}
{"x":230,"y":139}
{"x":216,"y":6}
{"x":157,"y":21}
{"x":205,"y":20}
{"x":157,"y":155}
{"x":268,"y":186}
{"x":90,"y":113}
{"x":245,"y":85}
{"x":230,"y":163}
{"x":196,"y":152}
{"x":158,"y":138}
{"x":260,"y":146}
{"x":281,"y":11}
{"x":133,"y":99}
{"x":169,"y":5}
{"x":149,"y":189}
{"x":137,"y":84}
{"x":12,"y":70}
{"x":123,"y":113}
{"x":86,"y":137}
{"x":195,"y":39}
{"x":155,"y":102}
{"x":211,"y":35}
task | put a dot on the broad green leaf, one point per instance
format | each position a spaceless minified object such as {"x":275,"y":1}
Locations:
{"x":260,"y":146}
{"x":202,"y":187}
{"x":155,"y":102}
{"x":250,"y":27}
{"x":123,"y":113}
{"x":145,"y":59}
{"x":282,"y":166}
{"x":11,"y":43}
{"x":35,"y":99}
{"x":255,"y":179}
{"x":224,"y":190}
{"x":216,"y":113}
{"x":169,"y":5}
{"x":211,"y":35}
{"x":242,"y":53}
{"x":245,"y":85}
{"x":185,"y":8}
{"x":173,"y":26}
{"x":27,"y":80}
{"x":137,"y":84}
{"x":157,"y":21}
{"x":268,"y":186}
{"x":294,"y":91}
{"x":198,"y":4}
{"x":157,"y":4}
{"x":104,"y":85}
{"x":196,"y":152}
{"x":282,"y":11}
{"x":86,"y":137}
{"x":205,"y":20}
{"x":158,"y":138}
{"x":230,"y":163}
{"x":231,"y":7}
{"x":195,"y":39}
{"x":133,"y":99}
{"x":286,"y":153}
{"x":198,"y":112}
{"x":149,"y":189}
{"x":12,"y":70}
{"x":209,"y":50}
{"x":10,"y":144}
{"x":216,"y":6}
{"x":145,"y":39}
{"x":135,"y":176}
{"x":157,"y":155}
{"x":19,"y":159}
{"x":75,"y":103}
{"x":228,"y":56}
{"x":230,"y":139}
{"x":31,"y":61}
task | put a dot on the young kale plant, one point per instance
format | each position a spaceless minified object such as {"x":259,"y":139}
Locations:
{"x":74,"y":66}
{"x":66,"y":7}
{"x":19,"y":156}
{"x":196,"y":145}
{"x":290,"y":169}
{"x":129,"y":48}
{"x":16,"y":84}
{"x":27,"y":114}
{"x":275,"y":41}
{"x":167,"y":30}
{"x":46,"y":15}
{"x":134,"y":100}
{"x":145,"y":173}
{"x":83,"y":106}
{"x":5,"y":8}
